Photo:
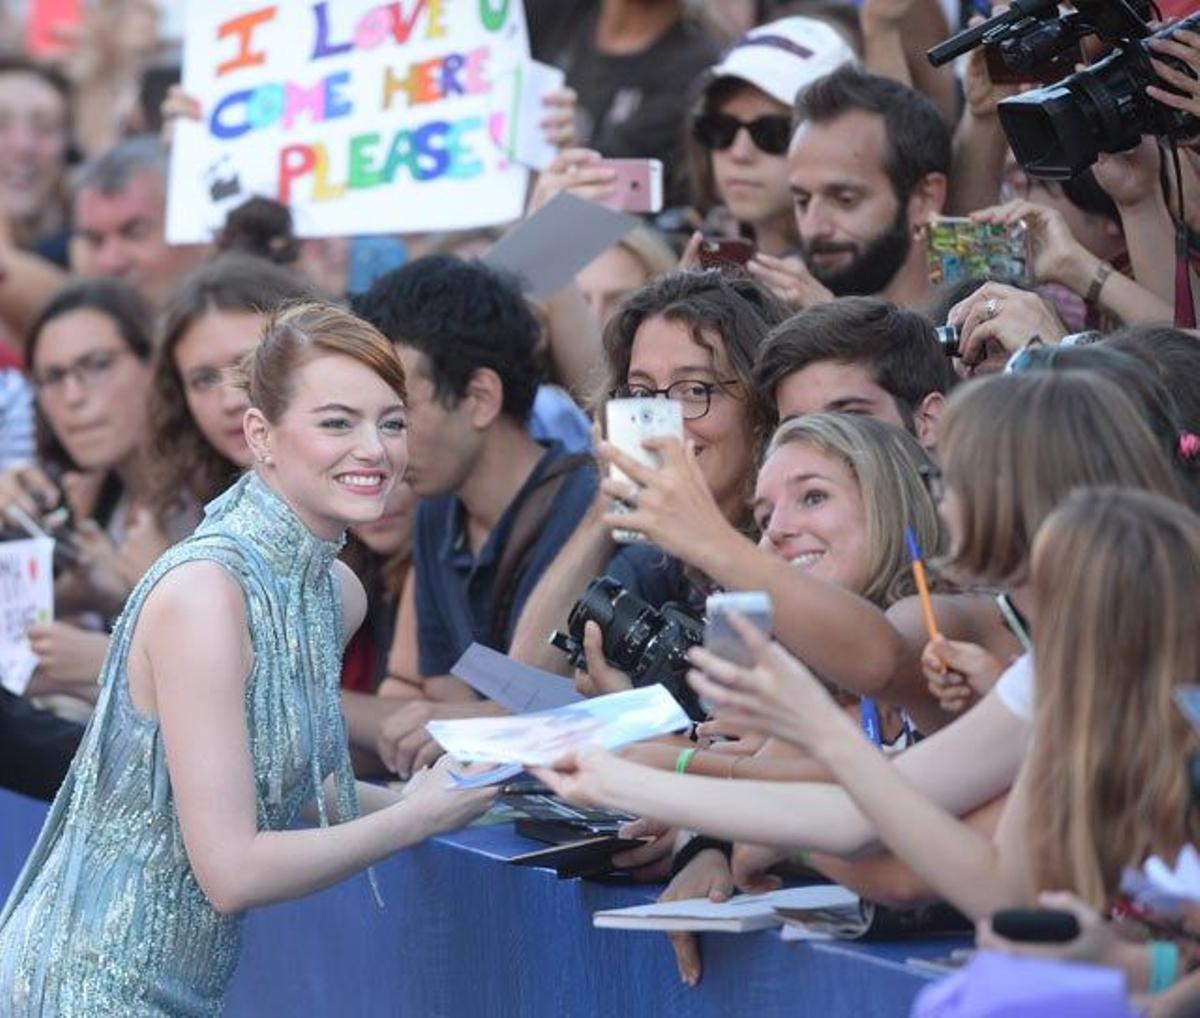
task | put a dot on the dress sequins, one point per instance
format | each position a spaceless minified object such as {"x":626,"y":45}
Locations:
{"x":107,"y":917}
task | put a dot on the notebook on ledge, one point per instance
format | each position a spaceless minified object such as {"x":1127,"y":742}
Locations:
{"x":740,"y":914}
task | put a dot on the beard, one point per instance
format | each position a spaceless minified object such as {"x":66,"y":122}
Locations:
{"x":873,"y":267}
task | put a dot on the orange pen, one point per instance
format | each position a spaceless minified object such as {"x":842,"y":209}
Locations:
{"x":918,"y":568}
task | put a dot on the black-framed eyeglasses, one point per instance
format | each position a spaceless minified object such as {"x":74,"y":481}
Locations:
{"x":693,"y":396}
{"x":935,"y":483}
{"x":86,"y":370}
{"x":716,"y":131}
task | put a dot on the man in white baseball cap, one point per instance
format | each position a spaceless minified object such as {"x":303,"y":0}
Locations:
{"x":742,"y":127}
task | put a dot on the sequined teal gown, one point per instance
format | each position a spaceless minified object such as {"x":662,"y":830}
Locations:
{"x":107,"y":918}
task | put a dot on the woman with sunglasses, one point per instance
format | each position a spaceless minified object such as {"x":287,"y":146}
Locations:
{"x":741,"y":130}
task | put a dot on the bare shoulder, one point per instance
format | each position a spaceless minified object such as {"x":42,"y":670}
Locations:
{"x":959,"y":617}
{"x":202,"y":593}
{"x":353,"y":599}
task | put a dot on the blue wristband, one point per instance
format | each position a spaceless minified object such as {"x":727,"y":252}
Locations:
{"x":1164,"y":965}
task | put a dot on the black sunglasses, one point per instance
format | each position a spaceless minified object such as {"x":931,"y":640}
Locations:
{"x":771,"y":134}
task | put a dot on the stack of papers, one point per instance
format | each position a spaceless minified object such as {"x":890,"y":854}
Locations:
{"x":542,"y":738}
{"x":740,"y":914}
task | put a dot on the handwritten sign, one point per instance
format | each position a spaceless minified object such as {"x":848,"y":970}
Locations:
{"x":364,"y":117}
{"x":26,"y":597}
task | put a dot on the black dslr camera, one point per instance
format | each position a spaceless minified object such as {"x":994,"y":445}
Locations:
{"x":1058,"y":131}
{"x":648,"y":644}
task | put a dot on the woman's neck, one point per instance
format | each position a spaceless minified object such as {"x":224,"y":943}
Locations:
{"x":631,"y":26}
{"x":777,"y":236}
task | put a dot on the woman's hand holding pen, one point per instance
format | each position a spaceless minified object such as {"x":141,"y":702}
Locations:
{"x":958,"y":673}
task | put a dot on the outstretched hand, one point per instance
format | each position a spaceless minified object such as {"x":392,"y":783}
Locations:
{"x":576,"y":777}
{"x":777,"y":695}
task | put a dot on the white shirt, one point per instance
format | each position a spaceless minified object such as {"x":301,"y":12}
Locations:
{"x":1015,"y":688}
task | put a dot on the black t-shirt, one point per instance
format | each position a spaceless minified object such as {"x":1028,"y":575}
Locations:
{"x":630,"y":106}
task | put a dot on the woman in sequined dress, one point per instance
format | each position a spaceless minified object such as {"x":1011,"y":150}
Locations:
{"x":219,"y":726}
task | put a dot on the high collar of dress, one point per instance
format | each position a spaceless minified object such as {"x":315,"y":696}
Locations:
{"x":272,"y":527}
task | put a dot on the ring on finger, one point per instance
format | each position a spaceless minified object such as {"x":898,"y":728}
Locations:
{"x":991,"y":308}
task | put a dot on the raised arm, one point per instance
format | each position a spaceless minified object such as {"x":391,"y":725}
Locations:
{"x":842,"y":636}
{"x":190,"y":659}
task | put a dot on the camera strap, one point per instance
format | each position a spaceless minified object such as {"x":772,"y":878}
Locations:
{"x":527,"y":527}
{"x":1185,"y":308}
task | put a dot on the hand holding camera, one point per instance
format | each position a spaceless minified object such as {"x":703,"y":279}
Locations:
{"x":997,"y":320}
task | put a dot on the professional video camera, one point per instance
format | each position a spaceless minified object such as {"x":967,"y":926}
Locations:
{"x":650,"y":645}
{"x":1058,"y":131}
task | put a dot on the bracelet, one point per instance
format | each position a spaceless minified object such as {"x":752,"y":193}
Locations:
{"x":1103,"y":271}
{"x":693,"y":848}
{"x":1164,"y":965}
{"x":684,"y":758}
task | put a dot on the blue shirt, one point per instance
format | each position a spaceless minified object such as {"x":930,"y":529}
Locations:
{"x":648,"y":572}
{"x":555,"y":417}
{"x":454,"y":589}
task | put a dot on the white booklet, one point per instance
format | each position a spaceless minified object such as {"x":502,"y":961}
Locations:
{"x":740,"y":914}
{"x":541,"y":738}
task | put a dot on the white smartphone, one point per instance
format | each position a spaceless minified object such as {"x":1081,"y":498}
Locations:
{"x":719,"y":635}
{"x":638,"y":187}
{"x":627,"y":424}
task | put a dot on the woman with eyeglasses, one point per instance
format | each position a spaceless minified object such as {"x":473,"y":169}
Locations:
{"x":690,"y":337}
{"x":89,"y":362}
{"x":742,"y":127}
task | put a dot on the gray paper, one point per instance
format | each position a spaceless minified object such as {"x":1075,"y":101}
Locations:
{"x":549,"y":248}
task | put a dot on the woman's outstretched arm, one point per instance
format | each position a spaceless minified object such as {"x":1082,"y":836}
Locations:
{"x":189,"y":662}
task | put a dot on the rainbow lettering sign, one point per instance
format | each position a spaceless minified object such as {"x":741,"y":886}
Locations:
{"x":364,"y":117}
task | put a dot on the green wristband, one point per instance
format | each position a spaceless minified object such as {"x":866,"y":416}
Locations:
{"x":1164,"y":965}
{"x":684,"y":758}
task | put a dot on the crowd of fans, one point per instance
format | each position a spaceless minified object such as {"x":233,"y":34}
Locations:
{"x":1047,"y":460}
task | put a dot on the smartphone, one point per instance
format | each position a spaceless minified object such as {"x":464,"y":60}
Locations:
{"x":719,"y":635}
{"x":627,"y":424}
{"x":725,"y":253}
{"x":1036,"y":925}
{"x":46,"y":18}
{"x":638,"y":187}
{"x":960,"y":248}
